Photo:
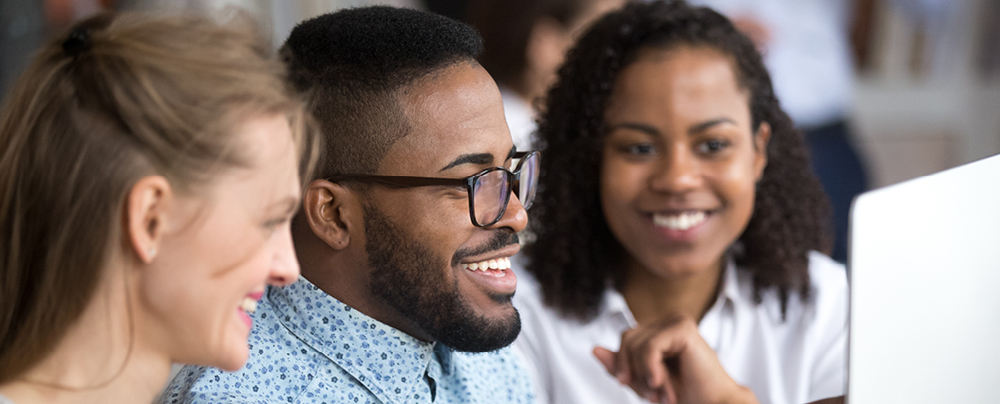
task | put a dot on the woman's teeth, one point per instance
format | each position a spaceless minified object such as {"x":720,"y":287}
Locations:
{"x":682,"y":221}
{"x":499,"y":263}
{"x":248,"y":305}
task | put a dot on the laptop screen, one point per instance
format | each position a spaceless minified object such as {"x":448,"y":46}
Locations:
{"x":924,"y":267}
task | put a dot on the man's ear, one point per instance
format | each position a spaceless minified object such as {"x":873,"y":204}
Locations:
{"x":145,"y":210}
{"x":333,"y":212}
{"x":761,"y":140}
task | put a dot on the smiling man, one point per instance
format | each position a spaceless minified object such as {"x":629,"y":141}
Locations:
{"x":405,"y":236}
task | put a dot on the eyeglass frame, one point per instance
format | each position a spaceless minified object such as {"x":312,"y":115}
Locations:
{"x":405,"y":181}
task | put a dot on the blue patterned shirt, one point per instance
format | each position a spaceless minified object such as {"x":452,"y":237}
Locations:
{"x":307,"y":347}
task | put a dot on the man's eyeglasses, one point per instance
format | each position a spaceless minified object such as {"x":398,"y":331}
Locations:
{"x":489,"y":190}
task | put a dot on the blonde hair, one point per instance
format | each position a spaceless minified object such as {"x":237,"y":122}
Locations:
{"x":126,"y":96}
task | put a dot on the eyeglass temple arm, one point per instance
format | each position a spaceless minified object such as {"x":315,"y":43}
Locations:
{"x":400,"y":180}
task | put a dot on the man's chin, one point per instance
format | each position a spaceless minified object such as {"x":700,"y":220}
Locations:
{"x":482,"y":334}
{"x":504,"y":299}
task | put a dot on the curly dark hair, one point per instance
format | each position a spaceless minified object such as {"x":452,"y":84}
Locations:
{"x":351,"y":64}
{"x":576,"y":257}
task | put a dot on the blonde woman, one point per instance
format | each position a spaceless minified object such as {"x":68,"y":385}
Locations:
{"x":149,"y":167}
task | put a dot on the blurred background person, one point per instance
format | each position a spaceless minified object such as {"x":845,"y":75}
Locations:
{"x":25,"y":24}
{"x":814,"y":50}
{"x":149,"y":169}
{"x":924,"y":96}
{"x":525,"y":43}
{"x":806,"y":47}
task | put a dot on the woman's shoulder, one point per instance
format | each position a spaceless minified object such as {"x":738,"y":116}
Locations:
{"x":826,"y":302}
{"x":828,"y":282}
{"x":824,"y":272}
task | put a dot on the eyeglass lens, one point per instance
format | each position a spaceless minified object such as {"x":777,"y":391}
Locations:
{"x":528,"y":180}
{"x":491,"y":191}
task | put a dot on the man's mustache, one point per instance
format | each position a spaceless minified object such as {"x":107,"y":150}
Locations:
{"x":499,"y":239}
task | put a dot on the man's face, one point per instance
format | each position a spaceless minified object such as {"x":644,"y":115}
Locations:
{"x":420,"y":241}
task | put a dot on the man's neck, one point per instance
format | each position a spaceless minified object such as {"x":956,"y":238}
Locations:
{"x":651,"y":297}
{"x":349,"y":285}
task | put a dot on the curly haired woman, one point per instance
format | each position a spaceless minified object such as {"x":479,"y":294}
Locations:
{"x":679,"y":224}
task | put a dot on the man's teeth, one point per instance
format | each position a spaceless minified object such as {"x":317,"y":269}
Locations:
{"x":681,"y":221}
{"x":248,"y":305}
{"x":499,"y":263}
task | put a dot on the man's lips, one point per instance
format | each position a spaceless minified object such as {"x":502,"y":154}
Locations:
{"x":496,"y":263}
{"x":497,"y":255}
{"x":492,"y":270}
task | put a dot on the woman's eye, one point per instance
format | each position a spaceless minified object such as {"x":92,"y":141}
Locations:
{"x":713,"y":146}
{"x":274,"y":223}
{"x":641,"y":149}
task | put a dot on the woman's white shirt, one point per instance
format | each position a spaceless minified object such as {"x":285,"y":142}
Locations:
{"x":796,"y":360}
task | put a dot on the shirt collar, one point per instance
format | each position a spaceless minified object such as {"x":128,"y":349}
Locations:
{"x":730,"y":292}
{"x":615,"y":306}
{"x":713,"y":325}
{"x":359,"y":344}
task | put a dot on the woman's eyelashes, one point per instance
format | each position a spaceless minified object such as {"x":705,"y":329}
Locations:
{"x":273,"y":224}
{"x":646,"y":149}
{"x":639,"y":149}
{"x":713,"y":146}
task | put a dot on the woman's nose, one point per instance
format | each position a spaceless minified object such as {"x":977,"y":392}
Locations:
{"x":678,"y":172}
{"x":285,"y":267}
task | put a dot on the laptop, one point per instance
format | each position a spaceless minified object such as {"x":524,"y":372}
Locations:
{"x":924,"y":265}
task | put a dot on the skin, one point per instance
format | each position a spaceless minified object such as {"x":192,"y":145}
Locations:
{"x":680,"y":140}
{"x":172,"y":291}
{"x":224,"y":250}
{"x":452,"y":113}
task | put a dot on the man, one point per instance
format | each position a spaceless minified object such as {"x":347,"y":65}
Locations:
{"x":405,"y":237}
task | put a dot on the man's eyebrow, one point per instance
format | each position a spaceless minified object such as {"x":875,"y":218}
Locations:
{"x":479,"y":159}
{"x":708,"y":124}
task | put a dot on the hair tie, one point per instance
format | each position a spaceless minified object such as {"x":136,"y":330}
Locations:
{"x":77,"y":42}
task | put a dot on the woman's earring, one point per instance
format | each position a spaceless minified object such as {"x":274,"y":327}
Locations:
{"x":152,"y":253}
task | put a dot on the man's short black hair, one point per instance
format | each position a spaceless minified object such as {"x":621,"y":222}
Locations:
{"x":351,"y":65}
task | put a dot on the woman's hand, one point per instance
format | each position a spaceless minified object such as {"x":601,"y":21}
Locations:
{"x":669,"y":362}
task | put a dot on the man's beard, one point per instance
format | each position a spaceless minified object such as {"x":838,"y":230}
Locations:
{"x":409,"y":278}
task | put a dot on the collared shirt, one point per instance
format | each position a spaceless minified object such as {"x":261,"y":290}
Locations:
{"x":307,"y":347}
{"x":797,"y":360}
